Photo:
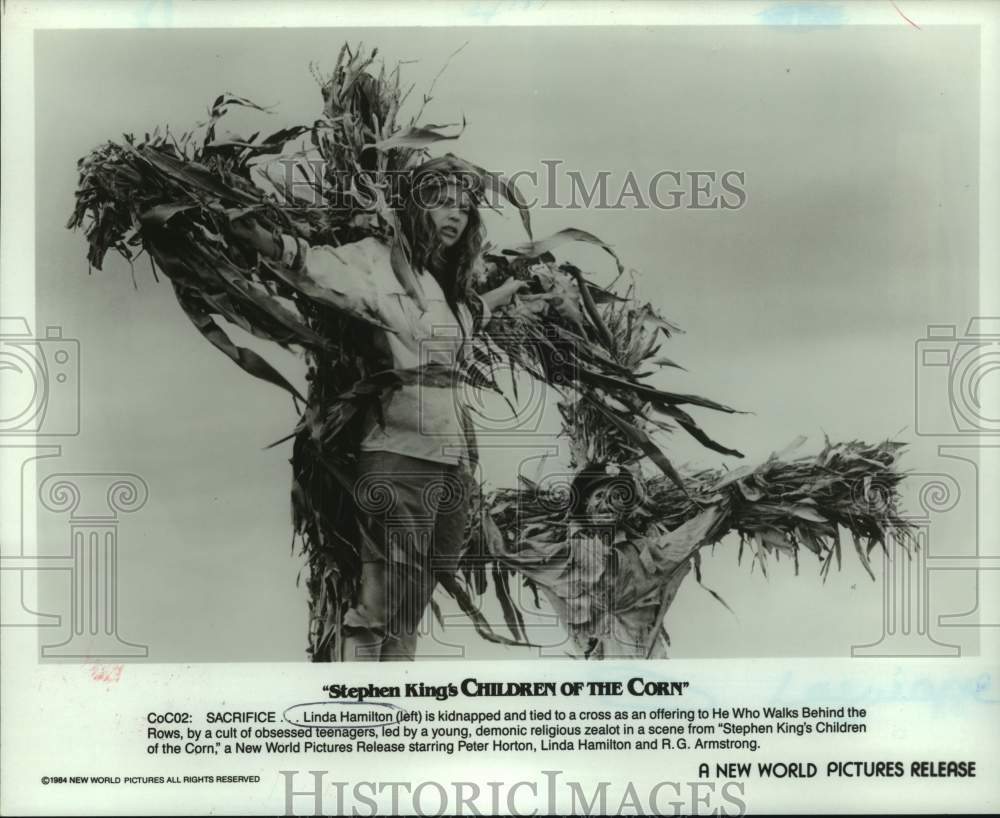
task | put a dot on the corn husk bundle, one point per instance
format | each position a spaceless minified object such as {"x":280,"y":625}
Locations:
{"x":174,"y":198}
{"x":599,"y":349}
{"x":609,"y":552}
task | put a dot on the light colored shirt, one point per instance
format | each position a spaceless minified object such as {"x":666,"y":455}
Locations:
{"x":421,"y":420}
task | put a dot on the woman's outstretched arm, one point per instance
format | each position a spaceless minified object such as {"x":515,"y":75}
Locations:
{"x":345,"y":270}
{"x":501,"y":296}
{"x":263,"y":241}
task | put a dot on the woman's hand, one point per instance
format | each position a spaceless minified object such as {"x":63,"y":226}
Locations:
{"x":512,"y":287}
{"x":501,"y":296}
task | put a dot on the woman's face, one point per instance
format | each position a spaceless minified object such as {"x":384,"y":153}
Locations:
{"x":448,"y":208}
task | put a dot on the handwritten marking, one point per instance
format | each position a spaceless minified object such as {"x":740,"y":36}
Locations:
{"x":106,"y":673}
{"x":400,"y":714}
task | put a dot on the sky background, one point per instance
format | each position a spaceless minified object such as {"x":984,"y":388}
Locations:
{"x":860,"y":149}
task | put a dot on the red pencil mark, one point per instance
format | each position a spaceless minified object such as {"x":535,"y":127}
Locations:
{"x":903,"y":15}
{"x":106,"y":673}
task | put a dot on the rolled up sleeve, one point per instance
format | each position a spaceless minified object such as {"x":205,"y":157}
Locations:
{"x":487,"y":312}
{"x":293,"y":251}
{"x":345,"y":270}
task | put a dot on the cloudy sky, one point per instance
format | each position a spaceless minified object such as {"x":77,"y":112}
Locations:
{"x":860,"y":153}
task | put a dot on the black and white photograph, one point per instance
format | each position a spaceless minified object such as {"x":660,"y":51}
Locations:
{"x":522,"y":350}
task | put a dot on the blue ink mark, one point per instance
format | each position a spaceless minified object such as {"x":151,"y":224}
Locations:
{"x":165,"y":9}
{"x":486,"y":10}
{"x":802,"y":15}
{"x":945,"y":693}
{"x":939,"y":693}
{"x":984,"y":683}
